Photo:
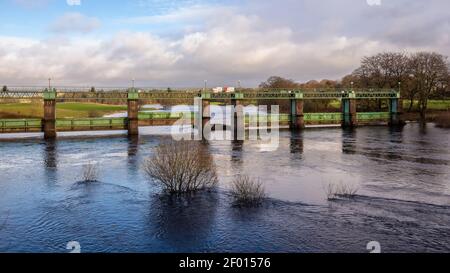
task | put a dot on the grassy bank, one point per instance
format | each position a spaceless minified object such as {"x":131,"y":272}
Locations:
{"x":436,"y":105}
{"x":84,"y":110}
{"x":63,"y":110}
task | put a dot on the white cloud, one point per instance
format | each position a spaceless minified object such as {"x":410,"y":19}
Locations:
{"x":32,"y":3}
{"x":373,"y":2}
{"x":191,"y":14}
{"x":73,"y":2}
{"x":231,"y":45}
{"x":75,"y":22}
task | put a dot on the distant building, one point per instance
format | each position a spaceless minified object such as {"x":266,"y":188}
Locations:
{"x":225,"y":89}
{"x":218,"y":90}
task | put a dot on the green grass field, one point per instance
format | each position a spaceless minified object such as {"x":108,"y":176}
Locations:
{"x":63,"y":110}
{"x":438,"y":105}
{"x":85,"y":110}
{"x":435,"y":105}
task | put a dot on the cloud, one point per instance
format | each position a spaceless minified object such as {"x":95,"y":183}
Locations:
{"x":374,"y":2}
{"x":74,"y":22}
{"x":249,"y":43}
{"x":181,"y":14}
{"x":73,"y":2}
{"x":223,"y":54}
{"x":32,"y":3}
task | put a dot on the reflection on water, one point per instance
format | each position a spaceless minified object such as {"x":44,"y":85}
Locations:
{"x":296,"y":147}
{"x":404,"y":177}
{"x":50,"y":154}
{"x":236,"y":150}
{"x":183,"y":221}
{"x":133,"y":148}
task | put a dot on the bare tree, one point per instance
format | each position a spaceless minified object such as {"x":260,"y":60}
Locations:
{"x":181,"y":166}
{"x":383,"y":70}
{"x":422,"y":74}
{"x":429,"y":72}
{"x":278,"y":82}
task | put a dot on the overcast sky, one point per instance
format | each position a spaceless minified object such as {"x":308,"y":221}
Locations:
{"x":182,"y":43}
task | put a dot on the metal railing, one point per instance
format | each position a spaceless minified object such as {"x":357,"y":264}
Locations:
{"x":70,"y":94}
{"x":91,"y":123}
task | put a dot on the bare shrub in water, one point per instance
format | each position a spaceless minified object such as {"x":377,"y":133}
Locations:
{"x":181,"y":167}
{"x":90,"y":173}
{"x":341,"y":190}
{"x":443,"y":120}
{"x":247,"y":191}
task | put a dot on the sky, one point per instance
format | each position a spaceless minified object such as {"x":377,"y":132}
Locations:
{"x":169,"y":43}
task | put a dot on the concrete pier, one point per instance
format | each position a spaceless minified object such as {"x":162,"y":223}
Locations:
{"x":350,"y":118}
{"x":297,"y":121}
{"x":49,"y":120}
{"x":133,"y":111}
{"x":396,"y":110}
{"x":238,"y":119}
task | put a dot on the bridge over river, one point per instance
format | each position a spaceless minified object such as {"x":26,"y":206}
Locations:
{"x":296,"y":117}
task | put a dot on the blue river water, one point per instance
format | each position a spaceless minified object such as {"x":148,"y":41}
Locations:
{"x":403,"y":202}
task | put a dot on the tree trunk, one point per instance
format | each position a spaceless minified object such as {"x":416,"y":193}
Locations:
{"x":423,"y":109}
{"x":411,"y":103}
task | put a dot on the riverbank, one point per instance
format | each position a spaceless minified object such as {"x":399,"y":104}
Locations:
{"x":87,"y":110}
{"x":66,"y":110}
{"x":431,"y":116}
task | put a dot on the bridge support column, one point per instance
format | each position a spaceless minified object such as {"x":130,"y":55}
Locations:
{"x":206,"y":112}
{"x":349,"y":111}
{"x":297,"y":115}
{"x":396,"y":110}
{"x":133,"y":110}
{"x":238,"y":117}
{"x":205,"y":115}
{"x":49,"y":121}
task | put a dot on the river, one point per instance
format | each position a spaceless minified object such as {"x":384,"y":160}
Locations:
{"x":403,"y":200}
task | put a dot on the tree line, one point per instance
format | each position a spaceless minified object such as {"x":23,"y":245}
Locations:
{"x":420,"y":76}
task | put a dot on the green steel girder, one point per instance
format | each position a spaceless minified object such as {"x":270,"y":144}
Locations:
{"x":154,"y":95}
{"x":164,"y":115}
{"x":49,"y":94}
{"x":254,"y":94}
{"x":91,"y":122}
{"x":322,"y":117}
{"x":6,"y":124}
{"x":367,"y":116}
{"x":29,"y":95}
{"x":76,"y":96}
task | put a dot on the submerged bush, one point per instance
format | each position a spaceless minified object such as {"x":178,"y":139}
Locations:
{"x":247,"y":191}
{"x":90,"y":173}
{"x":443,"y":120}
{"x":341,"y":190}
{"x":181,"y":167}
